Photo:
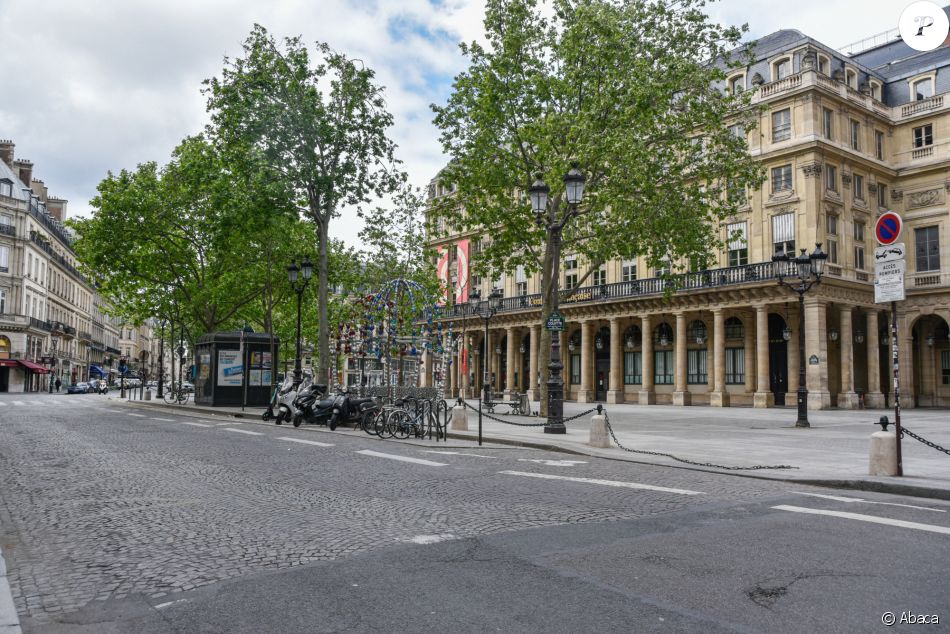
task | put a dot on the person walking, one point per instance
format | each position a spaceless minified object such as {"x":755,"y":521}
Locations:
{"x":59,"y":384}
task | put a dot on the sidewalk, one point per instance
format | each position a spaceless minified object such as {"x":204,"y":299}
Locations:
{"x":832,"y":452}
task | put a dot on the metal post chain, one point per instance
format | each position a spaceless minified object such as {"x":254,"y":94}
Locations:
{"x":683,"y":460}
{"x":934,"y":445}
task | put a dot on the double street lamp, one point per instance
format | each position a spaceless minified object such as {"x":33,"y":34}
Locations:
{"x":803,"y":272}
{"x":293,"y":274}
{"x":486,"y":309}
{"x":554,"y":221}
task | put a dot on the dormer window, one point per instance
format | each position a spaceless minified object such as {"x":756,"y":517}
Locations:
{"x":824,"y":65}
{"x":6,"y":188}
{"x":922,"y":89}
{"x":851,"y":78}
{"x":876,"y":90}
{"x":781,"y":68}
{"x":737,"y":84}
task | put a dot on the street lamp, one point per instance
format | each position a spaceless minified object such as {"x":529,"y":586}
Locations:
{"x":486,"y":309}
{"x":806,"y":271}
{"x":122,"y":369}
{"x":546,"y":218}
{"x":293,"y":271}
{"x":161,"y":363}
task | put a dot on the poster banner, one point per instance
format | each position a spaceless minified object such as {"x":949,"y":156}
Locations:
{"x":461,"y":291}
{"x":230,"y":368}
{"x":254,"y":377}
{"x":265,"y":377}
{"x":442,"y":270}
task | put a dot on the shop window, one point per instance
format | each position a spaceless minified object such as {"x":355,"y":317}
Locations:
{"x":632,"y":373}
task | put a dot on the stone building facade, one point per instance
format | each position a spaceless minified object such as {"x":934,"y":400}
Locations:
{"x":842,"y":139}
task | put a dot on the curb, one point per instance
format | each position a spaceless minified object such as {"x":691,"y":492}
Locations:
{"x":9,"y":620}
{"x":855,"y":484}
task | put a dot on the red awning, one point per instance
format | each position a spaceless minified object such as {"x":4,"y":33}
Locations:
{"x":8,"y":363}
{"x":32,"y":367}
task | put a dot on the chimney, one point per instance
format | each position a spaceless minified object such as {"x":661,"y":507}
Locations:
{"x":56,"y":207}
{"x":6,"y":152}
{"x":26,"y":170}
{"x":40,"y":189}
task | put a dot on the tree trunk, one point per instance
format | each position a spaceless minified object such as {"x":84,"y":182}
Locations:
{"x":323,"y":336}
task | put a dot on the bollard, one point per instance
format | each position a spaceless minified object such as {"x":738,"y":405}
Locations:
{"x":883,"y":454}
{"x":148,"y":395}
{"x":598,"y":432}
{"x":459,"y":418}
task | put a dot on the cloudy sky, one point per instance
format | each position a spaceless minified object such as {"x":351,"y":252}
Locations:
{"x":89,"y":86}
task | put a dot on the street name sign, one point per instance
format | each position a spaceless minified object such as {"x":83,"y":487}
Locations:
{"x":554,"y":322}
{"x":888,"y":228}
{"x":889,"y":281}
{"x":889,"y":253}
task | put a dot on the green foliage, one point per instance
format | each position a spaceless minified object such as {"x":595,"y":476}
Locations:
{"x":321,"y":128}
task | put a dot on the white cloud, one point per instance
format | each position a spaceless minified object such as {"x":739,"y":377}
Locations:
{"x":90,"y":87}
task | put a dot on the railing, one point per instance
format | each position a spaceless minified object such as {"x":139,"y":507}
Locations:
{"x":40,"y":324}
{"x":922,"y":106}
{"x":922,"y":153}
{"x":84,"y":336}
{"x":59,"y":259}
{"x":927,"y":280}
{"x":50,"y":224}
{"x":112,"y":351}
{"x":69,"y":330}
{"x":787,"y":83}
{"x":23,"y":321}
{"x":8,"y":230}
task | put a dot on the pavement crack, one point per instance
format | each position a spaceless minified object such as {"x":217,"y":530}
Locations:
{"x":767,"y":596}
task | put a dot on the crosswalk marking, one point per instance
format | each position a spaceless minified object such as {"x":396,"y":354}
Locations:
{"x":866,"y":518}
{"x":137,"y":415}
{"x":377,"y":454}
{"x":609,"y":483}
{"x":164,"y":420}
{"x":841,"y":498}
{"x":196,"y":424}
{"x":305,"y":442}
{"x":243,"y":431}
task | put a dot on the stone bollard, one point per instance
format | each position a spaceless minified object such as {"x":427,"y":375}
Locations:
{"x":883,"y":454}
{"x":598,"y":432}
{"x":459,"y":418}
{"x":148,"y":395}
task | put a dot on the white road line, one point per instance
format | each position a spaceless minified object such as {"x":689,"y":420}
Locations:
{"x":196,"y":424}
{"x":161,"y":606}
{"x":115,"y":411}
{"x":367,"y":452}
{"x":866,"y":518}
{"x":137,"y":415}
{"x":609,"y":483}
{"x":2,"y":404}
{"x":458,"y":453}
{"x":305,"y":442}
{"x":164,"y":420}
{"x":243,"y":431}
{"x":19,"y":403}
{"x":840,"y":498}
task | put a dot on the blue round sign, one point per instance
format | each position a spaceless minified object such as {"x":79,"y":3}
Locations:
{"x":888,"y":228}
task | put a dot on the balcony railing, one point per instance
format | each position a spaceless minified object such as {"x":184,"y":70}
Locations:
{"x":922,"y":152}
{"x":59,"y":259}
{"x":84,"y":336}
{"x":8,"y":230}
{"x":42,"y":325}
{"x":921,"y":106}
{"x":23,"y":321}
{"x":786,"y":83}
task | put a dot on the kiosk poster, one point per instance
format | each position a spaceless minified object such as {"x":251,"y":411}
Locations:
{"x":254,"y":377}
{"x":260,"y":360}
{"x":230,"y":368}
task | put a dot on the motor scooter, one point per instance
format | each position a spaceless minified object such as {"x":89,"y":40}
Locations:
{"x":286,"y":396}
{"x":348,"y":409}
{"x":309,"y":407}
{"x":272,"y":405}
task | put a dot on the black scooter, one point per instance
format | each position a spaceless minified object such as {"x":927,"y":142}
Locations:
{"x":350,"y":409}
{"x":308,"y":408}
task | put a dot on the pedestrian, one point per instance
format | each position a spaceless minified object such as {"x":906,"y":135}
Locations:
{"x":59,"y":384}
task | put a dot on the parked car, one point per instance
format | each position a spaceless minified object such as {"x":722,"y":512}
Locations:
{"x":78,"y":388}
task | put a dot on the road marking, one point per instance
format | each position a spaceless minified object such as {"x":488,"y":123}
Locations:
{"x":2,"y":404}
{"x":609,"y":483}
{"x":115,"y":411}
{"x":553,"y":463}
{"x":866,"y":518}
{"x":431,"y":539}
{"x":301,"y":440}
{"x":840,"y":498}
{"x":367,"y":452}
{"x":168,"y":603}
{"x":137,"y":415}
{"x":19,"y":403}
{"x":196,"y":424}
{"x":243,"y":431}
{"x":165,"y":420}
{"x":458,"y":453}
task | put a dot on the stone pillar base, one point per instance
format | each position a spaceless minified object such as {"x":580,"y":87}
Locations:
{"x":874,"y":400}
{"x":614,"y":397}
{"x":598,"y":432}
{"x":459,"y":418}
{"x":883,"y":454}
{"x":763,"y":399}
{"x":646,"y":398}
{"x":719,"y":399}
{"x":534,"y":395}
{"x":819,"y":400}
{"x":682,"y":398}
{"x":847,"y":400}
{"x":585,"y":396}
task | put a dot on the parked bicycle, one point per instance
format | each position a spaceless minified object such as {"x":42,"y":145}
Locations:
{"x":179,"y":395}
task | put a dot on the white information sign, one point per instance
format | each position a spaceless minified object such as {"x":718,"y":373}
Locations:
{"x":889,"y":253}
{"x":889,"y":281}
{"x":230,"y":368}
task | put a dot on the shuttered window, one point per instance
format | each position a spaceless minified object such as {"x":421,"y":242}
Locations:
{"x":737,"y":234}
{"x":783,"y":233}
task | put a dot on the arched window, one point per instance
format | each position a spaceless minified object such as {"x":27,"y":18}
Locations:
{"x":734,"y":328}
{"x":922,"y":89}
{"x":851,"y":78}
{"x":663,"y":334}
{"x":632,"y":337}
{"x":824,"y":65}
{"x":4,"y":347}
{"x":737,"y":84}
{"x":697,"y":332}
{"x":781,"y":68}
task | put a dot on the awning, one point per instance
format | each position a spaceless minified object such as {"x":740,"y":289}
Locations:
{"x":96,"y":370}
{"x":32,"y":367}
{"x":8,"y":363}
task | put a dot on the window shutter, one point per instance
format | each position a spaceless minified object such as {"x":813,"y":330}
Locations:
{"x":783,"y":228}
{"x":741,"y":241}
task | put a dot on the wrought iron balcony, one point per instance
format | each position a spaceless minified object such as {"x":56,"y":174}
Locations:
{"x":8,"y":230}
{"x":85,"y":336}
{"x":40,"y":324}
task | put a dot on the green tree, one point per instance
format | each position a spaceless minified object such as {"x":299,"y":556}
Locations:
{"x":629,"y":89}
{"x":322,"y":129}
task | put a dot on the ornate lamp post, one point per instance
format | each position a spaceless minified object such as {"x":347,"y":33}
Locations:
{"x":161,"y":362}
{"x":546,"y":218}
{"x":486,"y":309}
{"x":293,"y":271}
{"x":806,"y":271}
{"x":123,"y":368}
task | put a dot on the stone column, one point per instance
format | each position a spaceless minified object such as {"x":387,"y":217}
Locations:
{"x":680,"y":394}
{"x":615,"y":380}
{"x":489,"y":361}
{"x":792,"y":351}
{"x":647,"y":396}
{"x":719,"y":397}
{"x":906,"y":360}
{"x":512,"y":364}
{"x":816,"y":344}
{"x":531,"y":382}
{"x":586,"y":393}
{"x":847,"y":397}
{"x":763,"y":396}
{"x":749,"y":345}
{"x":874,"y":399}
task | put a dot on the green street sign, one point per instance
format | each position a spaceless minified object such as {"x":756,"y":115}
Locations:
{"x":554,"y":322}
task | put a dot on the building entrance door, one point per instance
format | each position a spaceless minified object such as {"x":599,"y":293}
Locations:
{"x":603,"y":371}
{"x":4,"y":379}
{"x":778,"y":359}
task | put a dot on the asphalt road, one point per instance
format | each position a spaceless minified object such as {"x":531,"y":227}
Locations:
{"x":120,"y":519}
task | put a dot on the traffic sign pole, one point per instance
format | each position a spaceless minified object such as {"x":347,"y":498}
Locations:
{"x":889,"y":269}
{"x":897,"y":388}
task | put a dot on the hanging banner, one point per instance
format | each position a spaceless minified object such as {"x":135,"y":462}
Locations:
{"x":461,"y":288}
{"x":442,"y":270}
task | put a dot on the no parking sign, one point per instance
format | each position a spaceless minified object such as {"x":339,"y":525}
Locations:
{"x":888,"y":228}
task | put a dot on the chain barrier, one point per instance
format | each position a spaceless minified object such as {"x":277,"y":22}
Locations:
{"x":683,"y":460}
{"x":501,"y":420}
{"x":934,"y":445}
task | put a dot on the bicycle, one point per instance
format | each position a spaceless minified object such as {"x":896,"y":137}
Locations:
{"x":179,"y":395}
